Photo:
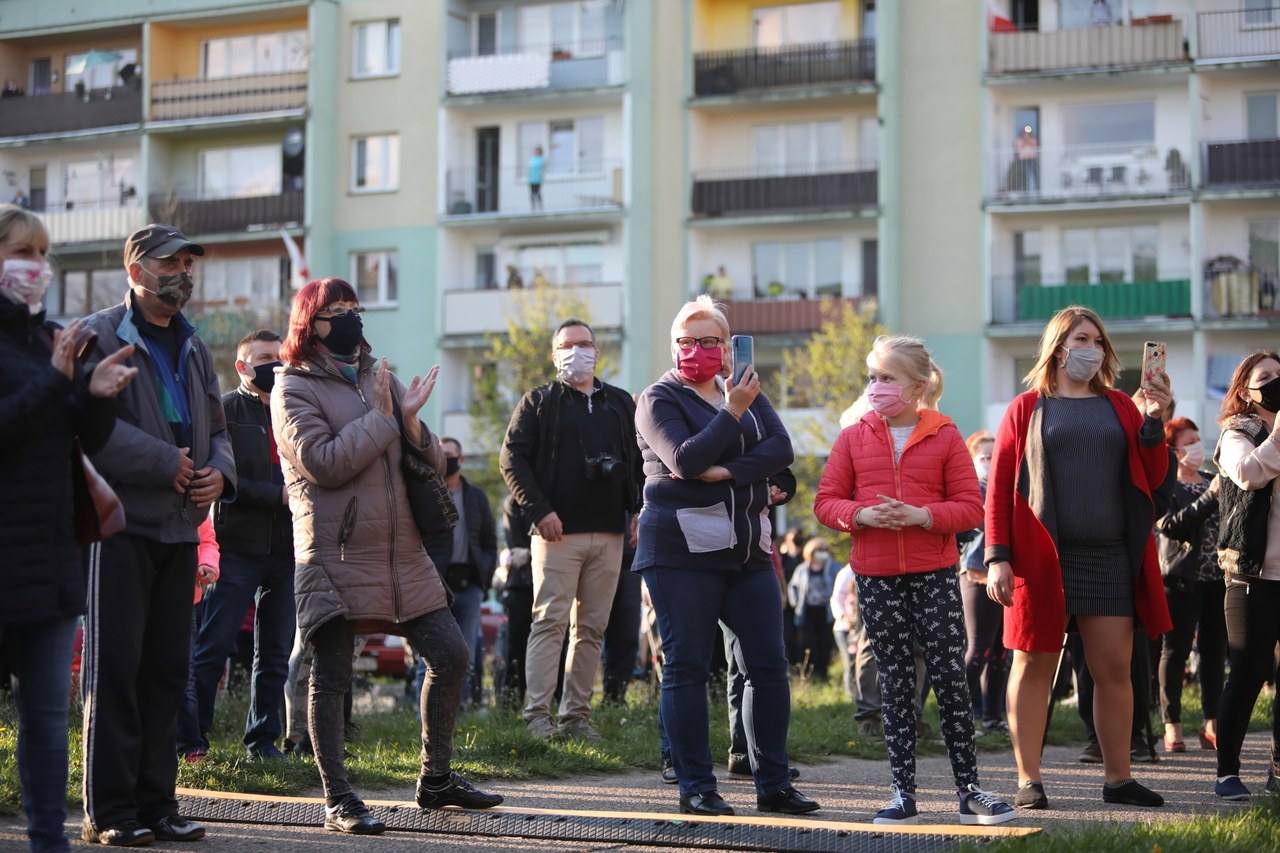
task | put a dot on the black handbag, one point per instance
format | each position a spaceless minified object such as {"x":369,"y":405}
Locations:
{"x":429,"y":498}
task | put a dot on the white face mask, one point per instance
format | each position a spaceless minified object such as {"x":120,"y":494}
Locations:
{"x":1192,"y":455}
{"x":576,"y":365}
{"x":820,"y":558}
{"x":1082,"y":363}
{"x":25,"y":282}
{"x":983,"y":467}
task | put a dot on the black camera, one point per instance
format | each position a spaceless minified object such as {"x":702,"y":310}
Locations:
{"x":604,"y":466}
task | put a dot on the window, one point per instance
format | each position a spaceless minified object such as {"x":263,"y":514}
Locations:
{"x":570,"y":146}
{"x":802,"y":23}
{"x":1264,"y":252}
{"x":868,"y":142}
{"x":376,"y":50}
{"x":1026,"y":258}
{"x":240,"y":282}
{"x":565,"y":264}
{"x":376,"y":276}
{"x":98,"y":76}
{"x":870,"y":267}
{"x":486,"y":268}
{"x":485,"y":32}
{"x":244,"y":172}
{"x":102,"y":182}
{"x":566,"y":30}
{"x":77,"y":293}
{"x":793,"y":149}
{"x":261,"y":53}
{"x":798,"y":269}
{"x":376,"y":163}
{"x":1259,"y":12}
{"x":1116,"y":125}
{"x":1110,"y":255}
{"x":1260,"y":115}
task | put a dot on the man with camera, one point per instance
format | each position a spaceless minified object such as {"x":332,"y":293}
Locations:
{"x":571,"y":461}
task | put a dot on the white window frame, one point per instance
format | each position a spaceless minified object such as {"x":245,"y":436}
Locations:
{"x":241,"y":191}
{"x":1245,"y":96}
{"x":548,"y":174}
{"x":813,"y":160}
{"x":1095,"y":253}
{"x":787,"y":11}
{"x":383,"y":299}
{"x":578,"y":51}
{"x":497,"y":31}
{"x":284,"y":57}
{"x":396,"y":49}
{"x":393,"y":163}
{"x":809,"y":287}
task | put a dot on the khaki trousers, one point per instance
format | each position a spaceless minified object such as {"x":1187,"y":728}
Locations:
{"x":573,"y":584}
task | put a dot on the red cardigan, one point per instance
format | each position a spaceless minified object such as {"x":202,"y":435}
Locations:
{"x":935,"y":471}
{"x":1016,"y":533}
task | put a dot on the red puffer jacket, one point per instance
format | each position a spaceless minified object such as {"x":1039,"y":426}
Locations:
{"x":935,"y":471}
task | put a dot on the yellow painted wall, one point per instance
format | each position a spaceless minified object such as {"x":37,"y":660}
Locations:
{"x":726,"y":24}
{"x":176,"y":50}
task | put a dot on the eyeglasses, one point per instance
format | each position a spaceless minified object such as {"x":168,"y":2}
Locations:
{"x":339,"y":311}
{"x":709,"y":342}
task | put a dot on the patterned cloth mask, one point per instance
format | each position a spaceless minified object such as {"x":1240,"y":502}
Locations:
{"x":25,"y":282}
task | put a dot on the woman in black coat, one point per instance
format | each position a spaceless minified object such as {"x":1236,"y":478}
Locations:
{"x":46,"y":401}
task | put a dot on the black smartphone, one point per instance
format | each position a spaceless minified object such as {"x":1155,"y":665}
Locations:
{"x":742,"y":351}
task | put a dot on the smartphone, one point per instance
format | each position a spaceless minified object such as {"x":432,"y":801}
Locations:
{"x":1153,"y":361}
{"x":742,"y":351}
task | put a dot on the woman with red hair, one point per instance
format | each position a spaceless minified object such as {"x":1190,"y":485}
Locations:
{"x":360,"y":562}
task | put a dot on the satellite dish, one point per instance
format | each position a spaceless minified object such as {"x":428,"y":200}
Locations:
{"x":293,"y":143}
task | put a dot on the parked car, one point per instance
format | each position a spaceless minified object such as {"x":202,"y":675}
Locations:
{"x":383,"y":654}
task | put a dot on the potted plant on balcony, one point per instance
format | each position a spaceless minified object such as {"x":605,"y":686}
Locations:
{"x":1178,"y":178}
{"x":81,"y":91}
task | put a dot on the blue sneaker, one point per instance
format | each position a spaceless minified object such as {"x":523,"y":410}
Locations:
{"x":1231,"y":788}
{"x":1273,"y":784}
{"x":979,"y":807}
{"x":901,"y":810}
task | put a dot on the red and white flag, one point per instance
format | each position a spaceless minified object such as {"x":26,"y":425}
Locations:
{"x":998,"y":21}
{"x":301,"y":274}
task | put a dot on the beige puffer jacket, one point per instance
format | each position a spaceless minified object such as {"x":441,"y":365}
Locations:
{"x":358,"y":554}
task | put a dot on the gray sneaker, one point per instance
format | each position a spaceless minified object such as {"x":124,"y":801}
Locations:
{"x":1091,"y":754}
{"x":579,"y":728}
{"x":542,"y":728}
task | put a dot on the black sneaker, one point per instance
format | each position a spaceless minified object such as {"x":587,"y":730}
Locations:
{"x":352,"y":816}
{"x":1091,"y":754}
{"x":1130,"y":793}
{"x":739,"y":764}
{"x":669,"y":772}
{"x":177,"y":828}
{"x":1031,"y":796}
{"x":126,"y":833}
{"x":455,"y":791}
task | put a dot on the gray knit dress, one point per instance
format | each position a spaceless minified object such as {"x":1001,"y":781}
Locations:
{"x":1087,"y":459}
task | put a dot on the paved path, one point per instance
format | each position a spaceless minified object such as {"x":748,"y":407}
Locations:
{"x":849,"y":789}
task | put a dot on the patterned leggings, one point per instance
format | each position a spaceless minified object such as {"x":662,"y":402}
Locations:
{"x":926,"y":605}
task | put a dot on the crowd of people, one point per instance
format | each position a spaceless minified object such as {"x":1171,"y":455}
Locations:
{"x":315,"y":493}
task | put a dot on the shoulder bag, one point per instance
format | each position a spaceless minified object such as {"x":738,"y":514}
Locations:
{"x":429,"y":498}
{"x":98,"y":512}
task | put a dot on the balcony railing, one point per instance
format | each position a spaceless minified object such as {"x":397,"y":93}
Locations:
{"x":225,"y":96}
{"x":65,"y":112}
{"x":221,"y":215}
{"x":727,"y":72}
{"x":1239,"y":34}
{"x":584,"y":64}
{"x":1249,"y":163}
{"x":1088,"y":171}
{"x":80,"y":223}
{"x":475,"y":312}
{"x":1241,"y":292}
{"x":1136,"y":45}
{"x":828,"y":187}
{"x":505,"y":191}
{"x":1016,"y":302}
{"x":780,"y":316}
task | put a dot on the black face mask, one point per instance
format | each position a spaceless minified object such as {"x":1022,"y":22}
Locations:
{"x":345,"y":333}
{"x":1270,"y":394}
{"x":451,"y":465}
{"x":264,"y":376}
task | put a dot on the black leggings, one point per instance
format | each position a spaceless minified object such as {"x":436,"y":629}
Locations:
{"x":436,"y":639}
{"x":1252,"y":632}
{"x":1196,"y":610}
{"x":986,"y":664}
{"x":923,"y":607}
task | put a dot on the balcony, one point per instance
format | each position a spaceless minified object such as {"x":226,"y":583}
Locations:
{"x":752,"y":191}
{"x":1025,"y":303}
{"x":478,"y":312}
{"x":730,"y":72}
{"x":487,"y":193}
{"x":68,"y":112}
{"x":1242,"y":165}
{"x":1142,"y":44}
{"x":229,"y":96}
{"x":587,"y":64}
{"x":1087,"y":172}
{"x":1233,"y":289}
{"x":1243,"y":34}
{"x":92,"y":223}
{"x":223,"y":215}
{"x":782,"y":316}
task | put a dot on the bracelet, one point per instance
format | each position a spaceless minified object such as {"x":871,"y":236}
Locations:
{"x":858,"y":524}
{"x":929,"y":521}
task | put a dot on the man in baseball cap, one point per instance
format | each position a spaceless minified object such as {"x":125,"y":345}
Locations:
{"x":169,"y":459}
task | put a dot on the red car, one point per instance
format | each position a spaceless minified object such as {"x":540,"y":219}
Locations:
{"x":383,"y":654}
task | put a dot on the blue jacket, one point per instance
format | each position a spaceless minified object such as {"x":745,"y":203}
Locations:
{"x":692,"y":524}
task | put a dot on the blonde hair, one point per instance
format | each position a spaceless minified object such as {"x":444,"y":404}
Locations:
{"x":909,"y":354}
{"x":20,"y":227}
{"x":702,"y":307}
{"x":1043,"y":377}
{"x":817,"y":543}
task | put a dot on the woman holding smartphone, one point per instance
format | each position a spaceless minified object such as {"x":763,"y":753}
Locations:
{"x":900,"y":481}
{"x":1069,"y":540}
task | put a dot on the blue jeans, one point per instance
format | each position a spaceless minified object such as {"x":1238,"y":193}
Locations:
{"x":40,"y":660}
{"x":688,"y":604}
{"x":243,"y":579}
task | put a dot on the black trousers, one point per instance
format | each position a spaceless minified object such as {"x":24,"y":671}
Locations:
{"x":622,"y":636}
{"x":137,"y":650}
{"x":1253,"y":629}
{"x":1196,"y":611}
{"x":518,"y":604}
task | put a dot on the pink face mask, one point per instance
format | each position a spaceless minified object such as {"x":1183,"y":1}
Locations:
{"x":886,"y":399}
{"x":699,"y":365}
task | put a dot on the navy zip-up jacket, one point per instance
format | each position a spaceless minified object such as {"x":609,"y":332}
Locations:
{"x":692,"y":524}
